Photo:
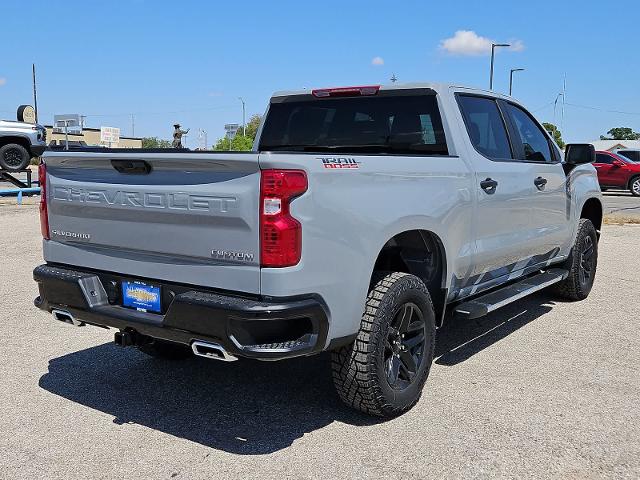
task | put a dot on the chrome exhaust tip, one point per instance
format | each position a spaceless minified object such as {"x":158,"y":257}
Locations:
{"x":212,"y":350}
{"x":66,"y":317}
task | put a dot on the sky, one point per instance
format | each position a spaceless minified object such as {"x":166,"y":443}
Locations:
{"x":189,"y":61}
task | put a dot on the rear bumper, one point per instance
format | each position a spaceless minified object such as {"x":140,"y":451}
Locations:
{"x":257,"y":328}
{"x":38,"y":150}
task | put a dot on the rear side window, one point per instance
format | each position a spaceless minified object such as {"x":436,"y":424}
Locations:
{"x":603,"y":158}
{"x":485,"y":126}
{"x":535,"y":143}
{"x":395,"y":124}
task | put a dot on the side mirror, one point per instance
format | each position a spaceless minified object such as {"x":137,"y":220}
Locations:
{"x":579,"y":153}
{"x":617,"y":163}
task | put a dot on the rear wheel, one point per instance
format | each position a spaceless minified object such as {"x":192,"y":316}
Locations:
{"x":14,"y":157}
{"x":634,"y":186}
{"x":582,"y":263}
{"x":383,"y":372}
{"x":166,"y":350}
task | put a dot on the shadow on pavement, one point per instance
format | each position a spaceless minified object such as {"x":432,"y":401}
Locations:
{"x":458,"y":340}
{"x":245,"y":407}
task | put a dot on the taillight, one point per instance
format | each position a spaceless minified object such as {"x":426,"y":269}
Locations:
{"x":280,"y":233}
{"x":365,"y":90}
{"x":44,"y":214}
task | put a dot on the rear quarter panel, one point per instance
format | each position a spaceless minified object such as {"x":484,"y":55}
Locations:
{"x":349,"y":214}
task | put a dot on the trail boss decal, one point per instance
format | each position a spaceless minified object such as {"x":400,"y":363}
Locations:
{"x":339,"y":162}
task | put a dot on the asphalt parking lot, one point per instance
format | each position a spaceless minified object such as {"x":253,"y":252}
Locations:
{"x":539,"y":389}
{"x":620,"y":203}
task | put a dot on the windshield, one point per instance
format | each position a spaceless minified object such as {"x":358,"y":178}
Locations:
{"x":398,"y":124}
{"x":629,"y":156}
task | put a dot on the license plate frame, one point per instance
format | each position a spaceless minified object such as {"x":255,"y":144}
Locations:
{"x":141,"y":296}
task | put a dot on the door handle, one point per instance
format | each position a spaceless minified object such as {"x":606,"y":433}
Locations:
{"x":489,"y":185}
{"x":134,"y":167}
{"x":540,"y":183}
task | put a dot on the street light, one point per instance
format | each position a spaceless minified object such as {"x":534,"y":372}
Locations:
{"x":493,"y":46}
{"x":244,"y":128}
{"x":511,"y":77}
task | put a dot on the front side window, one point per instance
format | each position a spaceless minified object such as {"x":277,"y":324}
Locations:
{"x":485,"y":126}
{"x":603,"y":158}
{"x":395,"y":124}
{"x":534,"y":142}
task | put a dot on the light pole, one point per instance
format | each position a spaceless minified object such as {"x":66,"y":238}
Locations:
{"x":493,"y":47}
{"x":244,"y":128}
{"x":511,"y":78}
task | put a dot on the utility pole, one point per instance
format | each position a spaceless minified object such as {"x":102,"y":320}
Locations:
{"x":555,"y":104}
{"x":493,"y":47}
{"x":511,"y":78}
{"x":564,"y":96}
{"x":244,"y":125}
{"x":133,"y":125}
{"x":35,"y":95}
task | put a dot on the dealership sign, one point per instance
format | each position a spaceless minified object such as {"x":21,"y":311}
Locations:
{"x":109,"y":135}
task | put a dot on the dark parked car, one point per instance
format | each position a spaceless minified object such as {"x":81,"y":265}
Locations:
{"x":616,"y":171}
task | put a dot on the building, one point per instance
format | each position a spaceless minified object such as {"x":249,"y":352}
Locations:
{"x":89,"y":137}
{"x":613,"y":145}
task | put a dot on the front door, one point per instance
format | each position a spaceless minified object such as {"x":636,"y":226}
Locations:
{"x":547,"y":183}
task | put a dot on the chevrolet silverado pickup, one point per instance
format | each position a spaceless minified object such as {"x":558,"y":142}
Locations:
{"x":362,"y":219}
{"x":19,"y":142}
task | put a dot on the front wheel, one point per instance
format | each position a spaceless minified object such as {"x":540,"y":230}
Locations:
{"x":582,"y":263}
{"x":634,"y":186}
{"x":14,"y":157}
{"x":383,"y":372}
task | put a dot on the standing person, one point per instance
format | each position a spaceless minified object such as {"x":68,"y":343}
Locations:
{"x":177,"y":135}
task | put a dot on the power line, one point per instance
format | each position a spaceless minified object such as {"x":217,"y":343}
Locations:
{"x":588,"y":107}
{"x":128,"y":114}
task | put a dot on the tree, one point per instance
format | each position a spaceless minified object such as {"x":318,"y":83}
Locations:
{"x":252,"y":126}
{"x":621,"y":133}
{"x":238,"y":143}
{"x":555,"y":133}
{"x":241,"y":142}
{"x":155,"y":142}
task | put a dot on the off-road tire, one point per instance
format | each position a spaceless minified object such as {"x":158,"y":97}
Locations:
{"x":574,"y":287}
{"x":14,"y":157}
{"x":634,"y":186}
{"x":360,"y":372}
{"x":166,"y":350}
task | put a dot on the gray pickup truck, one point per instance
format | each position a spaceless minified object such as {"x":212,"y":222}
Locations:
{"x":19,"y":142}
{"x":364,"y":217}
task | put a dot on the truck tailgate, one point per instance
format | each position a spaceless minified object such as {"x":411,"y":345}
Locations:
{"x":184,"y":217}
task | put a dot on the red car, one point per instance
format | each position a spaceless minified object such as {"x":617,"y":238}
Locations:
{"x":616,"y":171}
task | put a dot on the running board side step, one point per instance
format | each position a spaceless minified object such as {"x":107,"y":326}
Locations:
{"x":485,"y":304}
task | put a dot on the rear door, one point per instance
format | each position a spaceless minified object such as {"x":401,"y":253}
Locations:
{"x":183,"y":217}
{"x":502,"y":224}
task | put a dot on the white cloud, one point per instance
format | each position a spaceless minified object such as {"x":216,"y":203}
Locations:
{"x":2,"y":81}
{"x":468,"y":42}
{"x":215,"y":94}
{"x":516,"y":45}
{"x":377,"y":61}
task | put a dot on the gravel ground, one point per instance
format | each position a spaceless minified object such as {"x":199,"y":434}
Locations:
{"x":540,"y":389}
